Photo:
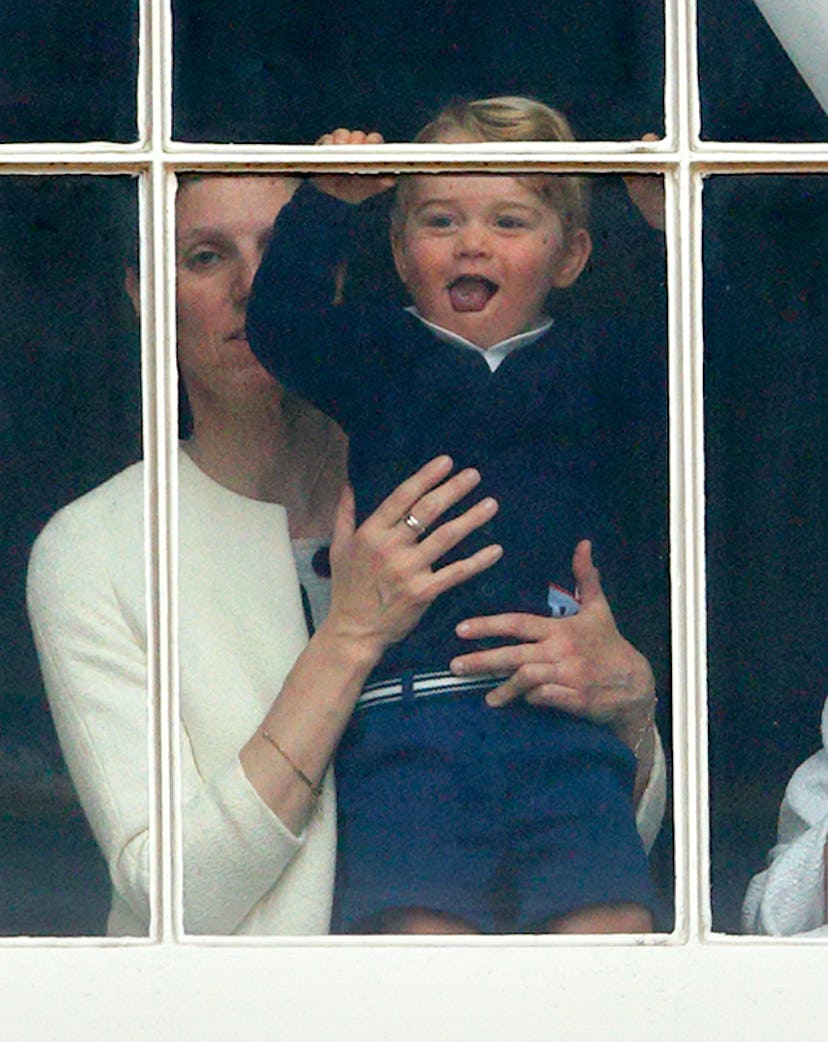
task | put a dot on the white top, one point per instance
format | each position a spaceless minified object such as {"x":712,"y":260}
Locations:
{"x":241,"y":628}
{"x":789,"y":896}
{"x":317,"y":587}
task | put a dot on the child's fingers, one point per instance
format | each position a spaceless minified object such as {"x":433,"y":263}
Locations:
{"x":344,"y":136}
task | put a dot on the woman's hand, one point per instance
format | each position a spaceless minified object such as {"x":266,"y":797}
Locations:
{"x":383,"y":577}
{"x":579,"y":664}
{"x":352,"y":188}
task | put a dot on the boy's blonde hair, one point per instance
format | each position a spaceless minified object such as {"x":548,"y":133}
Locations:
{"x":508,"y":119}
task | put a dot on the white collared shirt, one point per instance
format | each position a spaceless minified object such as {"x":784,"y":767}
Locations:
{"x":495,"y":354}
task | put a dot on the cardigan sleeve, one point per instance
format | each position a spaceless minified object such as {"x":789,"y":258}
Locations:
{"x":649,"y":813}
{"x":336,"y":356}
{"x":788,"y":897}
{"x":93,"y":655}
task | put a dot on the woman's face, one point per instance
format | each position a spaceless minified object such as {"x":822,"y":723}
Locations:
{"x":223,"y":225}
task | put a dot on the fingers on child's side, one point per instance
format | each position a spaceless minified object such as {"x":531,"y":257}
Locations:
{"x":459,"y":571}
{"x":401,"y":500}
{"x":432,"y":505}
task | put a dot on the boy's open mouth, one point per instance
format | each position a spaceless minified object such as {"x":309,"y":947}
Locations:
{"x":471,"y":292}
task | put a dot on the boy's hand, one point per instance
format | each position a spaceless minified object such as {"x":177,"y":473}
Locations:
{"x":352,"y":188}
{"x":647,"y":193}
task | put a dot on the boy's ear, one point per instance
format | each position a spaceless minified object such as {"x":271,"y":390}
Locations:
{"x":398,"y":252}
{"x":133,"y":289}
{"x":573,"y":262}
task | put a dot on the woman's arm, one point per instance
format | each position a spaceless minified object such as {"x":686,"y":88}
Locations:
{"x":383,"y":581}
{"x":242,"y":823}
{"x":584,"y":666}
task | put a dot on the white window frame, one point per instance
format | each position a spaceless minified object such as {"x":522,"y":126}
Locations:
{"x":692,"y":984}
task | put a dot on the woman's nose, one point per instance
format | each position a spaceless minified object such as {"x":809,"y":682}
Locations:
{"x":243,"y":281}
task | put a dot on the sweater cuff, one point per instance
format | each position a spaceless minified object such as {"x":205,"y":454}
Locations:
{"x":789,"y":896}
{"x":235,"y":850}
{"x":649,"y":813}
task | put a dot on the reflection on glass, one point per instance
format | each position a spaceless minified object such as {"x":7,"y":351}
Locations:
{"x":68,"y":70}
{"x":290,"y":72}
{"x":231,"y":483}
{"x":750,"y":88}
{"x":765,"y":331}
{"x":69,"y":419}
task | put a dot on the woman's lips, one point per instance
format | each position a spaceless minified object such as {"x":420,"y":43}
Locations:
{"x":471,"y":292}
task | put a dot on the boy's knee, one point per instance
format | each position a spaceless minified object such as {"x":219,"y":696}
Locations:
{"x":415,"y":921}
{"x":624,"y":917}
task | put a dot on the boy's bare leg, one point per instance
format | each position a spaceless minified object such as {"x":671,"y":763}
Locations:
{"x":608,"y":918}
{"x":417,"y":921}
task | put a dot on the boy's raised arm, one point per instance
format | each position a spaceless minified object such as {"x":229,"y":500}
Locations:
{"x":330,"y":355}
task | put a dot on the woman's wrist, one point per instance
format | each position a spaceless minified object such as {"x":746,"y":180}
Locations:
{"x":351,"y":653}
{"x":635,"y":721}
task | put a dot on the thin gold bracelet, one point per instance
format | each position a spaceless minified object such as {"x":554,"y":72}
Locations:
{"x":315,"y":790}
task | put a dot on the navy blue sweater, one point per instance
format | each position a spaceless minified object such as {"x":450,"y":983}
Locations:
{"x":403,"y":397}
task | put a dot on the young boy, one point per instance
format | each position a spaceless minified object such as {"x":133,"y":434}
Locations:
{"x":456,"y":817}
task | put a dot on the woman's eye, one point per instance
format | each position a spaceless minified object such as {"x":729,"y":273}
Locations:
{"x":203,"y":258}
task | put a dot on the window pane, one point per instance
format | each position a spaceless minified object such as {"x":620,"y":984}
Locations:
{"x":69,"y":419}
{"x":281,"y":72}
{"x":750,"y":87}
{"x":610,"y":334}
{"x":766,"y":331}
{"x":69,"y":70}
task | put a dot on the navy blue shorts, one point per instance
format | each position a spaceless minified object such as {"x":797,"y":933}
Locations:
{"x":505,"y":817}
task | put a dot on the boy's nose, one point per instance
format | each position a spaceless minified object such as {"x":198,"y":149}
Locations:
{"x":472,"y":241}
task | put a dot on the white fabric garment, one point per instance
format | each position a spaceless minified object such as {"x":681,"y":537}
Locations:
{"x":241,"y":628}
{"x":789,"y":896}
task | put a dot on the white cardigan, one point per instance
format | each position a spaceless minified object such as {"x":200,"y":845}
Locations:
{"x":789,"y":896}
{"x":241,"y":628}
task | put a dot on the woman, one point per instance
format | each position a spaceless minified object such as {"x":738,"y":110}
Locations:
{"x":791,"y":895}
{"x":258,"y":470}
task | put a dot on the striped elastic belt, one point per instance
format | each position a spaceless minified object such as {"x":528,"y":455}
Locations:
{"x":425,"y":685}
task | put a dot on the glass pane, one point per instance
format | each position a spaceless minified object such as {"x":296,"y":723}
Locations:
{"x":766,"y":331}
{"x":69,"y":419}
{"x":608,"y":335}
{"x":284,"y":72}
{"x":750,"y":87}
{"x":69,"y":70}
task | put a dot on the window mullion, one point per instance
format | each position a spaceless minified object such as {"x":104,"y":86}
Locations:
{"x":161,"y":476}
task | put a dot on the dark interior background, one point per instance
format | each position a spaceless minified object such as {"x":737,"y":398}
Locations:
{"x":263,"y":71}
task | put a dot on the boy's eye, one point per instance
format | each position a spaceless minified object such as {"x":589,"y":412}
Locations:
{"x":510,"y":221}
{"x":438,"y":220}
